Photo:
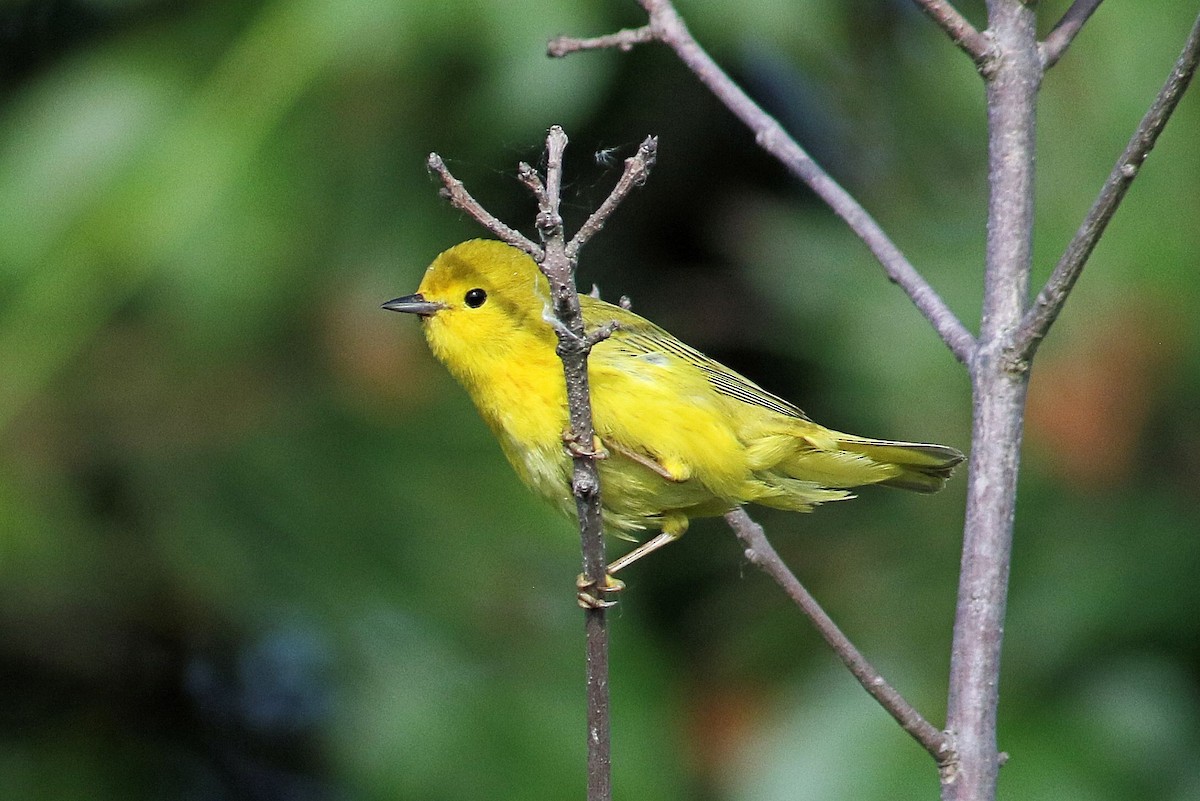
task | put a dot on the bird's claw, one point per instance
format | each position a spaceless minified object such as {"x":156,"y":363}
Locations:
{"x":577,"y":448}
{"x":587,"y":598}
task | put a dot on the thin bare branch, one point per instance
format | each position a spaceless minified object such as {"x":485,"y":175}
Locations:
{"x":533,"y":182}
{"x":549,"y":220}
{"x":637,"y":170}
{"x":669,"y":28}
{"x":1050,"y":300}
{"x":574,"y":343}
{"x":461,"y":199}
{"x":961,"y":32}
{"x":1063,"y":33}
{"x":623,"y":40}
{"x":760,"y":552}
{"x":573,"y":348}
{"x":999,"y":401}
{"x":601,"y":333}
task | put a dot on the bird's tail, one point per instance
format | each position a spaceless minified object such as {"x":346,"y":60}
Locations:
{"x":924,"y":467}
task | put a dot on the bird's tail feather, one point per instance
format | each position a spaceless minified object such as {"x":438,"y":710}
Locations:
{"x":924,"y":467}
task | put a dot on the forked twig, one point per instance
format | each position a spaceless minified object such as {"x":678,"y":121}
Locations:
{"x":760,"y":552}
{"x":961,"y":32}
{"x":668,"y":27}
{"x":557,"y":260}
{"x":1050,"y":300}
{"x":1064,"y":32}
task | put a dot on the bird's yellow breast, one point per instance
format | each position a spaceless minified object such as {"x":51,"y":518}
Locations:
{"x":652,"y":415}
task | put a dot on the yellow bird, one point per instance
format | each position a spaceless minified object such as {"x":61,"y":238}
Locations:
{"x":682,"y":436}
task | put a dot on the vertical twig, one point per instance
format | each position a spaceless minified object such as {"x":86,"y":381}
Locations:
{"x":557,"y":259}
{"x":999,"y":402}
{"x":585,"y":480}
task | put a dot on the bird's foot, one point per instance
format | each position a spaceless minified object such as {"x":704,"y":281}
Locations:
{"x":577,"y":448}
{"x":587,"y":596}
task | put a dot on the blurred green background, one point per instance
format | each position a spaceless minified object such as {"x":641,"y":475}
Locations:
{"x":255,"y":544}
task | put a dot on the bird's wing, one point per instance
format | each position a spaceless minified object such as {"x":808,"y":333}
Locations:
{"x":639,"y":338}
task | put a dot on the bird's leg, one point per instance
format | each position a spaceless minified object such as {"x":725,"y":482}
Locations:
{"x":673,"y":529}
{"x":648,"y":547}
{"x":645,"y":461}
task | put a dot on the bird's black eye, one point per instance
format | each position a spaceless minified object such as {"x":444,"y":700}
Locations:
{"x":475,"y":297}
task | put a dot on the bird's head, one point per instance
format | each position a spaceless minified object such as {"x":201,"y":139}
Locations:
{"x":476,"y":298}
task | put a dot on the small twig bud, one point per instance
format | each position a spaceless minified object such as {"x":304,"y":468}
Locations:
{"x":602,"y":333}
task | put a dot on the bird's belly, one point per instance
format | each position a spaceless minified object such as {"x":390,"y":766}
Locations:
{"x":635,"y":497}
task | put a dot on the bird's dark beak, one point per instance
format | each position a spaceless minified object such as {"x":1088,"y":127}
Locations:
{"x":414,"y":304}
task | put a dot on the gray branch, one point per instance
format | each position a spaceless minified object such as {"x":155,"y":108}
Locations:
{"x":760,"y":553}
{"x":668,"y":27}
{"x":1061,"y":36}
{"x":1053,"y":296}
{"x":961,"y":32}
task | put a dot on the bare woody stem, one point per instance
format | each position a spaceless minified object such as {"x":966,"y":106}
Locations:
{"x":585,"y":480}
{"x":454,"y":191}
{"x":998,"y":393}
{"x":637,"y":170}
{"x":961,"y":32}
{"x":623,"y":40}
{"x":1050,"y":300}
{"x":1012,"y":64}
{"x":760,"y":552}
{"x":1060,"y":38}
{"x":557,"y":260}
{"x":667,"y":26}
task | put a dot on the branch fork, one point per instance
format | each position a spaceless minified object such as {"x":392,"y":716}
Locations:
{"x":1012,"y":64}
{"x":557,"y":259}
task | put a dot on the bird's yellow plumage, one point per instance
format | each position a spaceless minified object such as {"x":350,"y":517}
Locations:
{"x":684,"y":436}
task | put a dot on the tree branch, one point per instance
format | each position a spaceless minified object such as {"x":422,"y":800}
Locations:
{"x":585,"y":481}
{"x":623,"y":40}
{"x":454,"y":191}
{"x":557,"y":260}
{"x":1050,"y":300}
{"x":667,"y":26}
{"x":1063,"y":33}
{"x":637,"y":170}
{"x":998,"y":393}
{"x":961,"y":32}
{"x":760,"y":553}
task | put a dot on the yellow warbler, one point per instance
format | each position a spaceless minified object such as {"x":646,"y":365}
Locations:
{"x":682,"y":436}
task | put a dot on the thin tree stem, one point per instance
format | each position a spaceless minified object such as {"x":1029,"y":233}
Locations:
{"x":999,"y":399}
{"x":760,"y":552}
{"x":624,"y":40}
{"x":669,"y":28}
{"x":637,"y":170}
{"x":454,"y":191}
{"x":961,"y":32}
{"x":1053,"y":296}
{"x":585,"y":480}
{"x":1063,"y":33}
{"x":557,"y":260}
